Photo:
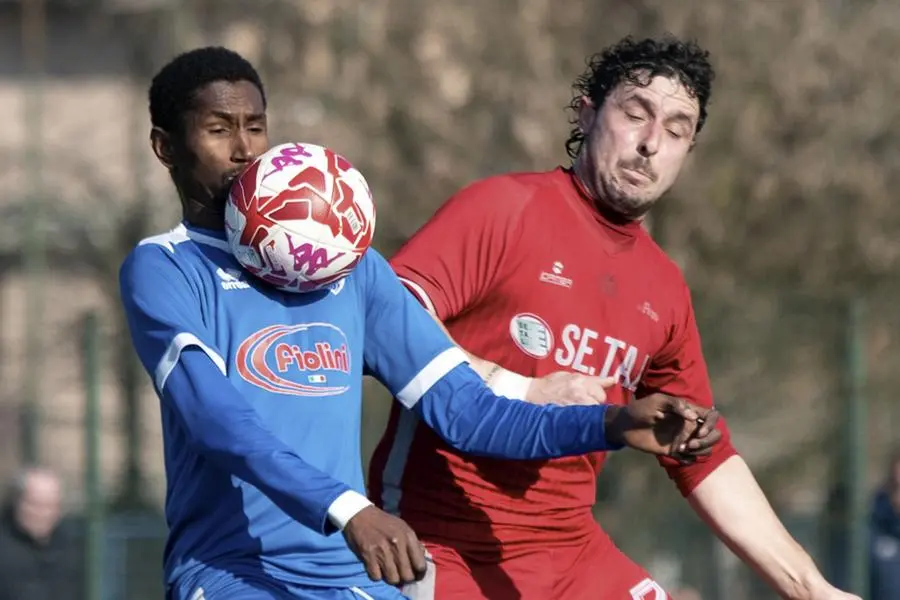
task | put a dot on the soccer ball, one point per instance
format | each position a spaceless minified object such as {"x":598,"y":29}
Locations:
{"x":300,"y":217}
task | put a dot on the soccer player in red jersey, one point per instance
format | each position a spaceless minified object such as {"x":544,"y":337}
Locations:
{"x":537,"y":273}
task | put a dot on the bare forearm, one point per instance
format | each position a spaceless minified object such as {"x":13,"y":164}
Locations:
{"x":557,"y":388}
{"x":501,"y":381}
{"x":731,"y":502}
{"x":479,"y":365}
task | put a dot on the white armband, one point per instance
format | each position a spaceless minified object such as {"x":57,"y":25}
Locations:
{"x":345,"y":507}
{"x":509,"y":384}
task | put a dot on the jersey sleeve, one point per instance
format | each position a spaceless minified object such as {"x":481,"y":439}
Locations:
{"x":412,"y":356}
{"x":680,"y":370}
{"x":455,"y":258}
{"x":189,"y":373}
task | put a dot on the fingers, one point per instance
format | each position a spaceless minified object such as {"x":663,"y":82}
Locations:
{"x":403,"y":559}
{"x":703,"y":445}
{"x":565,"y":388}
{"x":396,"y":560}
{"x":402,"y":554}
{"x":686,"y":459}
{"x":410,"y":555}
{"x":682,"y":439}
{"x":417,"y":559}
{"x":373,"y":566}
{"x":682,"y":409}
{"x":608,"y":382}
{"x":706,"y":436}
{"x":710,"y":418}
{"x":391,"y":561}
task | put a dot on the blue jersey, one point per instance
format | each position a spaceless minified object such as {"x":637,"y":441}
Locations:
{"x":261,"y":404}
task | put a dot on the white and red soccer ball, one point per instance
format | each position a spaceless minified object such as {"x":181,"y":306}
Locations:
{"x":300,"y":217}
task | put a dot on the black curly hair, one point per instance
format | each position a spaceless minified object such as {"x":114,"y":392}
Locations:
{"x":638,"y":62}
{"x":173,"y":89}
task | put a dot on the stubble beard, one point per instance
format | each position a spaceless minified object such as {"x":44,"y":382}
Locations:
{"x":629,"y":204}
{"x":610,"y":193}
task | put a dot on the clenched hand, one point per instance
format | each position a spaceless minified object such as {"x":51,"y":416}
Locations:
{"x":661,"y":424}
{"x":387,"y":546}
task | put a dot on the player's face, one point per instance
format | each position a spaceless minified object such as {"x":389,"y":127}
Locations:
{"x":223,"y":132}
{"x":636,"y":143}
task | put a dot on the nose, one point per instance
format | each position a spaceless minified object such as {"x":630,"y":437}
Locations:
{"x":649,"y":143}
{"x":242,"y":149}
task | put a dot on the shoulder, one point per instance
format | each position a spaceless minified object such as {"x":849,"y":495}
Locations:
{"x":508,"y":193}
{"x":371,"y":268}
{"x":170,"y":240}
{"x":162,"y":248}
{"x":159,"y":258}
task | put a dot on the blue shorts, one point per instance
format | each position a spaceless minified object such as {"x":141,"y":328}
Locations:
{"x":219,"y":587}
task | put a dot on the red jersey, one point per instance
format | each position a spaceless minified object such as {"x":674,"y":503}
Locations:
{"x":525,"y":272}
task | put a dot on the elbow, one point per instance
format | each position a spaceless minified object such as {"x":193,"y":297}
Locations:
{"x":470,"y":437}
{"x":225,"y":448}
{"x":458,"y":439}
{"x":469,"y":417}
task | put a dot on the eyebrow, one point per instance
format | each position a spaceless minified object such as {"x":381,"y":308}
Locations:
{"x":681,"y":116}
{"x":227,"y":116}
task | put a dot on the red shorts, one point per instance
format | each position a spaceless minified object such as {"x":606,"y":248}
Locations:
{"x":595,"y":570}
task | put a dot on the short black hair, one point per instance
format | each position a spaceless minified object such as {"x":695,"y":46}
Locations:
{"x":173,"y":89}
{"x":638,"y":62}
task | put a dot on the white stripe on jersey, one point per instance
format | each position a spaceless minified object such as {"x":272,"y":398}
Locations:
{"x":173,"y":353}
{"x":392,"y":475}
{"x":181,"y":234}
{"x":361,"y":593}
{"x":420,"y":293}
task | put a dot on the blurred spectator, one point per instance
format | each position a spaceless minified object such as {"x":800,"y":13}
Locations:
{"x":885,"y":566}
{"x":38,"y":557}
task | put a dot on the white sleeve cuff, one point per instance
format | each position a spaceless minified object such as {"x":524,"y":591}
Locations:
{"x":345,"y":507}
{"x":439,"y":366}
{"x":509,"y":384}
{"x":419,"y":292}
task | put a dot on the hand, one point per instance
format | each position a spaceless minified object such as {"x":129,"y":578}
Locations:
{"x":565,"y":388}
{"x":661,"y":424}
{"x":387,"y":546}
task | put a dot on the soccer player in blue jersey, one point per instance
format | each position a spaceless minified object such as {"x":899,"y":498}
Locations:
{"x":261,"y":390}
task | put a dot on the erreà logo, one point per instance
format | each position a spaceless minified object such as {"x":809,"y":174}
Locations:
{"x":309,"y":359}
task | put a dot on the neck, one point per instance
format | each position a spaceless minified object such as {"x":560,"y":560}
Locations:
{"x":205,"y":214}
{"x":581,"y":170}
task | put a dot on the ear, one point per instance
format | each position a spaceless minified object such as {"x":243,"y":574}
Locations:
{"x":587,"y":112}
{"x":163,"y":146}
